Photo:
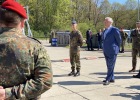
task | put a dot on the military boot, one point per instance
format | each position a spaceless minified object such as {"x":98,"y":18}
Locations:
{"x":137,"y":76}
{"x":77,"y":73}
{"x":122,"y":51}
{"x":71,"y":73}
{"x":133,"y":69}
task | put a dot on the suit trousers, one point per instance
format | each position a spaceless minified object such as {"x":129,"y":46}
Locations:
{"x":110,"y":62}
{"x":90,"y":44}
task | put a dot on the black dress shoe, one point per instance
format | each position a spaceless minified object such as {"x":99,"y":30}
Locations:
{"x":111,"y":81}
{"x":104,"y":80}
{"x":106,"y":83}
{"x":136,"y":76}
{"x":77,"y":73}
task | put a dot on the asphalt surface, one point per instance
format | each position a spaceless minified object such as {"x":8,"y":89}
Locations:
{"x":89,"y":85}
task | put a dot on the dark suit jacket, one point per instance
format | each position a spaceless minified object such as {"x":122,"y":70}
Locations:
{"x":99,"y":36}
{"x":88,"y":37}
{"x":112,"y":41}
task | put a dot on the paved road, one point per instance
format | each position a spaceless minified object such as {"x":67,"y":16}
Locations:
{"x":88,"y":86}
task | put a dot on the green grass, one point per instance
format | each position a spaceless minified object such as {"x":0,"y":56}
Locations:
{"x":128,"y":46}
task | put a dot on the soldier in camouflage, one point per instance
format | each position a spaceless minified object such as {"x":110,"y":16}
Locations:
{"x":76,"y":40}
{"x":135,"y":46}
{"x":123,"y":37}
{"x":25,"y":68}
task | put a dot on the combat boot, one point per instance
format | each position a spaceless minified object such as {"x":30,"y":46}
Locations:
{"x":137,"y":76}
{"x":36,"y":98}
{"x":77,"y":73}
{"x":71,"y":73}
{"x":133,"y":69}
{"x":122,"y":51}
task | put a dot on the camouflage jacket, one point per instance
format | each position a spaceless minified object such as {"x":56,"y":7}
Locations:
{"x":123,"y":35}
{"x":76,"y":40}
{"x":25,"y":68}
{"x":135,"y":39}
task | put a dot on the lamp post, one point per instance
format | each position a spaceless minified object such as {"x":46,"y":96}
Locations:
{"x":138,"y":9}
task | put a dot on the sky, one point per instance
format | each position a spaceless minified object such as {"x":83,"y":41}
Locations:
{"x":119,"y":1}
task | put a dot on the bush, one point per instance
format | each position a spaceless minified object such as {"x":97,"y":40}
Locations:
{"x":38,"y":34}
{"x":83,"y":27}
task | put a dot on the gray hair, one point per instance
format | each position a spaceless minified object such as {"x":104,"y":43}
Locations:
{"x":109,"y":19}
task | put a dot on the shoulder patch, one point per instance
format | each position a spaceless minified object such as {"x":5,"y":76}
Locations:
{"x":34,"y":39}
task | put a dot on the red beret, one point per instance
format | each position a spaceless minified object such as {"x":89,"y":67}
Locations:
{"x":14,"y":6}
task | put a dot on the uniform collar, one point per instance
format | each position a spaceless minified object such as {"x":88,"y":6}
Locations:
{"x":8,"y":29}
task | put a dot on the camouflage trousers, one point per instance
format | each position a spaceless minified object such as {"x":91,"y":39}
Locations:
{"x":75,"y":60}
{"x":135,"y":53}
{"x":122,"y":45}
{"x":37,"y":98}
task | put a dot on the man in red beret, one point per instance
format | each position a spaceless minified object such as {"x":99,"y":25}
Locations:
{"x":25,"y":68}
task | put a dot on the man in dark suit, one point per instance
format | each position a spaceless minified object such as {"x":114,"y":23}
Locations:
{"x":99,"y":38}
{"x":111,"y":44}
{"x":89,"y":40}
{"x":124,"y":36}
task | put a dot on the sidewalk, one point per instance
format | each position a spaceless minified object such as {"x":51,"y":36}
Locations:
{"x":88,"y":86}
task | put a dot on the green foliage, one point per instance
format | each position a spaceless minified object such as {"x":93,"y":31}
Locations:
{"x":62,"y":15}
{"x":128,"y":46}
{"x":47,"y":15}
{"x":83,"y":27}
{"x":38,"y":33}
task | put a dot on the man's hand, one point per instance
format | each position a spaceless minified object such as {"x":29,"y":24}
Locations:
{"x":2,"y":93}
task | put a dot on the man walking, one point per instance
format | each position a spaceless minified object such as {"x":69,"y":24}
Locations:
{"x":111,"y":45}
{"x":123,"y":37}
{"x":76,"y":41}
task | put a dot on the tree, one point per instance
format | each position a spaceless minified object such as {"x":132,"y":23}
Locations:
{"x":46,"y":15}
{"x":116,"y":14}
{"x":131,"y":13}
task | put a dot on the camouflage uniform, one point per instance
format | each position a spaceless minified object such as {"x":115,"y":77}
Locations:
{"x":76,"y":40}
{"x":123,"y":37}
{"x":25,"y":68}
{"x":135,"y":46}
